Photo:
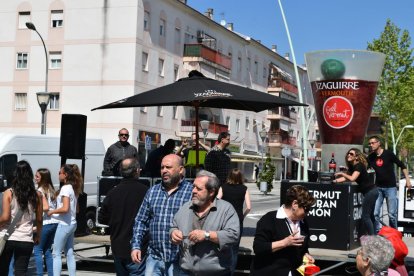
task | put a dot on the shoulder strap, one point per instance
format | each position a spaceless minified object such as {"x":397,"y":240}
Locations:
{"x":12,"y":225}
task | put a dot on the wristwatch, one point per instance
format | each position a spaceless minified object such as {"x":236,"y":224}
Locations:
{"x":207,"y":235}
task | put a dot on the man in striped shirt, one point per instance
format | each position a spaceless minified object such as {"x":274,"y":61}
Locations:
{"x":155,"y":217}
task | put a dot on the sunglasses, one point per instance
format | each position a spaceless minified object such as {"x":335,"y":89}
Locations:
{"x":123,"y":135}
{"x":371,"y":143}
{"x":351,"y":153}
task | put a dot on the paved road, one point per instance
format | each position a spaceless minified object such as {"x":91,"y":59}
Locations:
{"x":260,"y":205}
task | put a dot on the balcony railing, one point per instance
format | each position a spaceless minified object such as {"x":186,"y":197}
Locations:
{"x":189,"y":125}
{"x":284,"y":85}
{"x":200,"y":50}
{"x":280,"y":137}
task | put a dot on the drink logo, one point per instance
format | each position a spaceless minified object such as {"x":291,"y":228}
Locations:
{"x":379,"y":162}
{"x":211,"y":93}
{"x":338,"y":112}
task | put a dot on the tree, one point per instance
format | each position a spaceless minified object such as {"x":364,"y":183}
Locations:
{"x":267,"y":174}
{"x":395,"y":95}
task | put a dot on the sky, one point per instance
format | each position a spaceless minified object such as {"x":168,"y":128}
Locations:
{"x":313,"y":24}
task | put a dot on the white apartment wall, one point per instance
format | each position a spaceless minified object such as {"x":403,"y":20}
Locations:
{"x":101,"y":63}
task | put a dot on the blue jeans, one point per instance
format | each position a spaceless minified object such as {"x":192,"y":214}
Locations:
{"x":45,"y":247}
{"x":63,"y":241}
{"x":158,"y":267}
{"x":126,"y":267}
{"x":390,"y":194}
{"x":368,"y":206}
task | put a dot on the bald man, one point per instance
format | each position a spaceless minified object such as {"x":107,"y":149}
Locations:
{"x":155,"y":217}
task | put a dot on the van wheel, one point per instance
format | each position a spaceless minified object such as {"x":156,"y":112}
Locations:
{"x":90,"y":221}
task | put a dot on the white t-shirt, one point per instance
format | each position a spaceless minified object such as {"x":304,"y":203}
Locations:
{"x":69,"y":217}
{"x":52,"y":206}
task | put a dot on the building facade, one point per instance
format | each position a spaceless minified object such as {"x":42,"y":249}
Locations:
{"x":102,"y":51}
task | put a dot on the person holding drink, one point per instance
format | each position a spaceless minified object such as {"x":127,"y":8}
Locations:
{"x":282,"y":236}
{"x":357,"y":172}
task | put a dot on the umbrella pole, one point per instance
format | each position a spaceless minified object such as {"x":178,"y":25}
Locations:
{"x":197,"y":136}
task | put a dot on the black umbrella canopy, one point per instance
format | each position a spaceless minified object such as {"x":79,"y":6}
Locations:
{"x":199,"y":91}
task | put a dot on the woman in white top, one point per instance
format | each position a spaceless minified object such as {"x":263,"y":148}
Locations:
{"x":66,"y":214}
{"x":22,"y":196}
{"x":45,"y":187}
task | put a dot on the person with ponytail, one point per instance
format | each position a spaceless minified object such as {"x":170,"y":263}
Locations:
{"x":23,"y":199}
{"x":65,"y":213}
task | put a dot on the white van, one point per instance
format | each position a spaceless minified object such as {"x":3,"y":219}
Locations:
{"x":42,"y":151}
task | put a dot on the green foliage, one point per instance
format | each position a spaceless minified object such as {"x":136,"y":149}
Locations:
{"x":395,"y":95}
{"x":267,"y":174}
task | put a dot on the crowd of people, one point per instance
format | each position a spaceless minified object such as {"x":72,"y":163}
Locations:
{"x":178,"y":227}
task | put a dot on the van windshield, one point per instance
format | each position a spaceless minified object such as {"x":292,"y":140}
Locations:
{"x":7,"y":164}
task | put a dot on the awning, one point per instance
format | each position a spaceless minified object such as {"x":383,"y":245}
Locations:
{"x":248,"y":158}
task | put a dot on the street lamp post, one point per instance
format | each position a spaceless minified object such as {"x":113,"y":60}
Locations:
{"x":312,"y":143}
{"x":43,"y":100}
{"x":395,"y":143}
{"x":41,"y":96}
{"x":204,"y":127}
{"x":263,"y":134}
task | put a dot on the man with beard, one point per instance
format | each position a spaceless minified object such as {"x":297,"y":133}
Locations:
{"x":117,"y":152}
{"x":206,"y":228}
{"x":155,"y":216}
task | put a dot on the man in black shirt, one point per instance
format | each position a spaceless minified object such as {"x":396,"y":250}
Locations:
{"x":117,"y":152}
{"x":382,"y":161}
{"x":118,"y":210}
{"x":218,"y":159}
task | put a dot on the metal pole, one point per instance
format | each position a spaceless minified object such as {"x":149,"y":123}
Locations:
{"x":285,"y":166}
{"x":301,"y":108}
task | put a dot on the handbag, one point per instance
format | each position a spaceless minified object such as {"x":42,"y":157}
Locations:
{"x":10,"y":230}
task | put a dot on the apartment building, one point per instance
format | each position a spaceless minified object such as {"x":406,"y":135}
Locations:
{"x":103,"y":51}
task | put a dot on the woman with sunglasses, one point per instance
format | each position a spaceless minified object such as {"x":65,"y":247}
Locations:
{"x":357,"y":172}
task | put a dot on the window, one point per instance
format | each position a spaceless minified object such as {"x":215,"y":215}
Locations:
{"x":56,"y":19}
{"x":175,"y":112}
{"x":145,"y":61}
{"x":54,"y":101}
{"x":55,"y":60}
{"x":248,"y":64}
{"x":21,"y":61}
{"x":176,"y":75}
{"x":256,"y":69}
{"x":162,"y":27}
{"x":228,"y":122}
{"x":161,"y":67}
{"x":23,"y":18}
{"x":264,"y":72}
{"x":237,"y":125}
{"x":239,"y":64}
{"x":177,"y":35}
{"x":160,"y":111}
{"x":146,"y":20}
{"x":247,"y":123}
{"x":20,"y":101}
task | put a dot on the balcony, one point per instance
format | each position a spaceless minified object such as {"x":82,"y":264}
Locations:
{"x":277,"y":85}
{"x":280,"y":139}
{"x":189,"y":126}
{"x":281,"y":113}
{"x":206,"y":53}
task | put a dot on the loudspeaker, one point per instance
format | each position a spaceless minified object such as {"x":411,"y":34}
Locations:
{"x":73,"y":136}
